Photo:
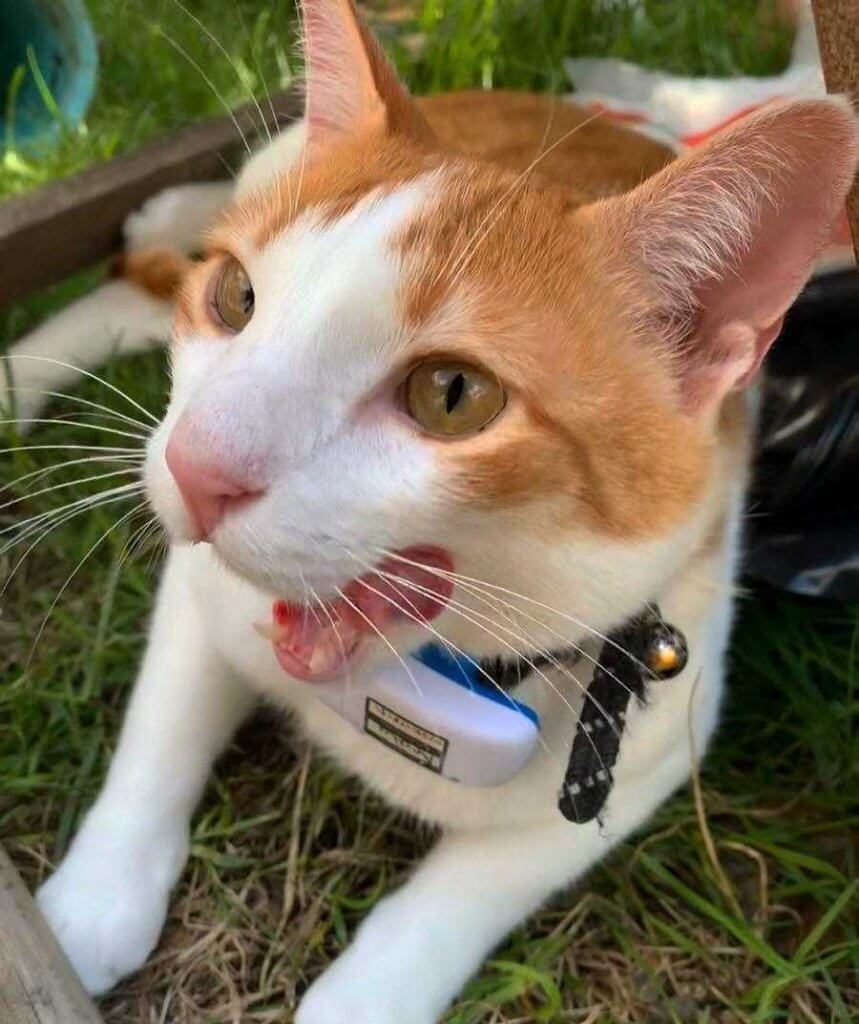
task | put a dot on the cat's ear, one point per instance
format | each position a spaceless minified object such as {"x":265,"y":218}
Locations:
{"x":720,"y":242}
{"x":350,"y":84}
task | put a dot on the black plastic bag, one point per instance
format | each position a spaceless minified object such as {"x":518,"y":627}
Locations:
{"x":803,"y":531}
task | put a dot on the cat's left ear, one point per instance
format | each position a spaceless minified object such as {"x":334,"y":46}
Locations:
{"x":716,"y":247}
{"x":350,"y":84}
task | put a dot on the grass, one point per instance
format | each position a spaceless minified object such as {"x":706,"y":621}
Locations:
{"x":287,"y":853}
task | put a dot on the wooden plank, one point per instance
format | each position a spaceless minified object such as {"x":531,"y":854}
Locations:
{"x":37,"y":984}
{"x":50,"y":233}
{"x":837,"y":23}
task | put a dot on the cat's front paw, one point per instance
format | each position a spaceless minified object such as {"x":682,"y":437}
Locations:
{"x":107,"y":904}
{"x":341,"y":1008}
{"x":362,"y":997}
{"x":160,"y":223}
{"x":177,"y":217}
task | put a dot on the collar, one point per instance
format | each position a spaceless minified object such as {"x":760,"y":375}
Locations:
{"x":645,"y":649}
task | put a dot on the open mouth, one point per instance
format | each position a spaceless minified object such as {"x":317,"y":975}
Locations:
{"x":319,"y":642}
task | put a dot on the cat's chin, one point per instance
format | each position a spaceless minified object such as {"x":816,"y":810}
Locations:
{"x":320,"y":642}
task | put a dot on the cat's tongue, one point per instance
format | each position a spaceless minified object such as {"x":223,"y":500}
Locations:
{"x":316,"y":643}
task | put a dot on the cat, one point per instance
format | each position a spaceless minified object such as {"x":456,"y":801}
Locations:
{"x":499,"y":370}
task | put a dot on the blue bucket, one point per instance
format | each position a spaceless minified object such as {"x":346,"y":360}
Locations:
{"x":57,"y":37}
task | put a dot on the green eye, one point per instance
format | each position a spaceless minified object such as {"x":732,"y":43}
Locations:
{"x":451,"y":399}
{"x":234,"y":295}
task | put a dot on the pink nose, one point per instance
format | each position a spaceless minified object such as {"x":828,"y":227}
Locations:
{"x":208,"y":489}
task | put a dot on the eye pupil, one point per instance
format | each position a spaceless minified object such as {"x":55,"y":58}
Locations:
{"x":233,"y":299}
{"x":448,"y":398}
{"x":454,"y":392}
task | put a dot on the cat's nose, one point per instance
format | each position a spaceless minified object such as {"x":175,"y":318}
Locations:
{"x":210,"y":488}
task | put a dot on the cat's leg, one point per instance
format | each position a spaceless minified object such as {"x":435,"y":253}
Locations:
{"x":177,"y":218}
{"x":108,"y":900}
{"x":419,"y":946}
{"x":116,"y":318}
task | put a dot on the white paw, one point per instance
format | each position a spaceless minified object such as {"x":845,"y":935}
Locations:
{"x":331,"y":1007}
{"x":346,"y":993}
{"x":158,"y":222}
{"x":107,"y":903}
{"x":176,"y":218}
{"x":22,"y":393}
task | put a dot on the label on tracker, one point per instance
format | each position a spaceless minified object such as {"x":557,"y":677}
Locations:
{"x":432,"y":711}
{"x":407,"y":738}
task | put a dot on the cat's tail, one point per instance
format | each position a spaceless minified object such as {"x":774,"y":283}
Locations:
{"x":131,"y":312}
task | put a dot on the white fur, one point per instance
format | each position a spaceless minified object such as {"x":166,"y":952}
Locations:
{"x":689,"y":105}
{"x":279,"y":395}
{"x":116,"y":318}
{"x":178,"y":217}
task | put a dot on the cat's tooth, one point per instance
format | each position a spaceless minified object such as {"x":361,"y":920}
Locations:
{"x":271,"y":631}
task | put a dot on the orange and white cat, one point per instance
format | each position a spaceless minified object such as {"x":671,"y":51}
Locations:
{"x":430,"y":338}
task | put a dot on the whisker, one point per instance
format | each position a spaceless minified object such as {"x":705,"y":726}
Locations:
{"x":575,"y":714}
{"x":305,"y":586}
{"x":72,"y":448}
{"x":80,"y":502}
{"x":419,"y":618}
{"x":160,"y":549}
{"x":85,"y":373}
{"x":43,"y":533}
{"x":332,"y":621}
{"x":98,"y":418}
{"x":215,"y":91}
{"x":210,"y":35}
{"x":138,"y":540}
{"x":67,"y":483}
{"x":447,"y":643}
{"x":608,"y":718}
{"x":20,"y":525}
{"x":495,"y":212}
{"x":72,"y":575}
{"x":154,"y":537}
{"x":258,"y":66}
{"x":383,"y":638}
{"x":91,"y":417}
{"x":456,"y":606}
{"x":36,"y":474}
{"x":307,"y":73}
{"x":458,"y":577}
{"x":545,"y":652}
{"x":78,"y":423}
{"x":130,"y":420}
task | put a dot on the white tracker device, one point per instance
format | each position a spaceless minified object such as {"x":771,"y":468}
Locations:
{"x":436,"y":713}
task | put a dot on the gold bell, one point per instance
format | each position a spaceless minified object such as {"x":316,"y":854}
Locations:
{"x":666,"y":654}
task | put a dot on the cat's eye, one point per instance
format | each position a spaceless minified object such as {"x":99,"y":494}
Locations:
{"x":233,"y":297}
{"x":450,"y":399}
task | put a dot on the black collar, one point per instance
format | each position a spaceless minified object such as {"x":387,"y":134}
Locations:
{"x":644,"y":649}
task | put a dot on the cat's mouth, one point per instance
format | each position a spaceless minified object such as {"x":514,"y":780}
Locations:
{"x":319,"y":642}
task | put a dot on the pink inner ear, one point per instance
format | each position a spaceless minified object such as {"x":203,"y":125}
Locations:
{"x":341,"y":89}
{"x":729,"y":234}
{"x":744,"y":308}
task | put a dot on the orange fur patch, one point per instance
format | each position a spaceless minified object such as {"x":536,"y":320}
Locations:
{"x":157,"y":271}
{"x":564,"y":143}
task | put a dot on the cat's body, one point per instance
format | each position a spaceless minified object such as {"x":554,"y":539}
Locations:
{"x":614,"y":476}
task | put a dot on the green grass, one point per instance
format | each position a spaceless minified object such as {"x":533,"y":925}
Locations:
{"x":288,"y":854}
{"x":154,"y":57}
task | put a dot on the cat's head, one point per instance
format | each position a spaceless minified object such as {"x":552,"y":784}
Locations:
{"x":398,"y":364}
